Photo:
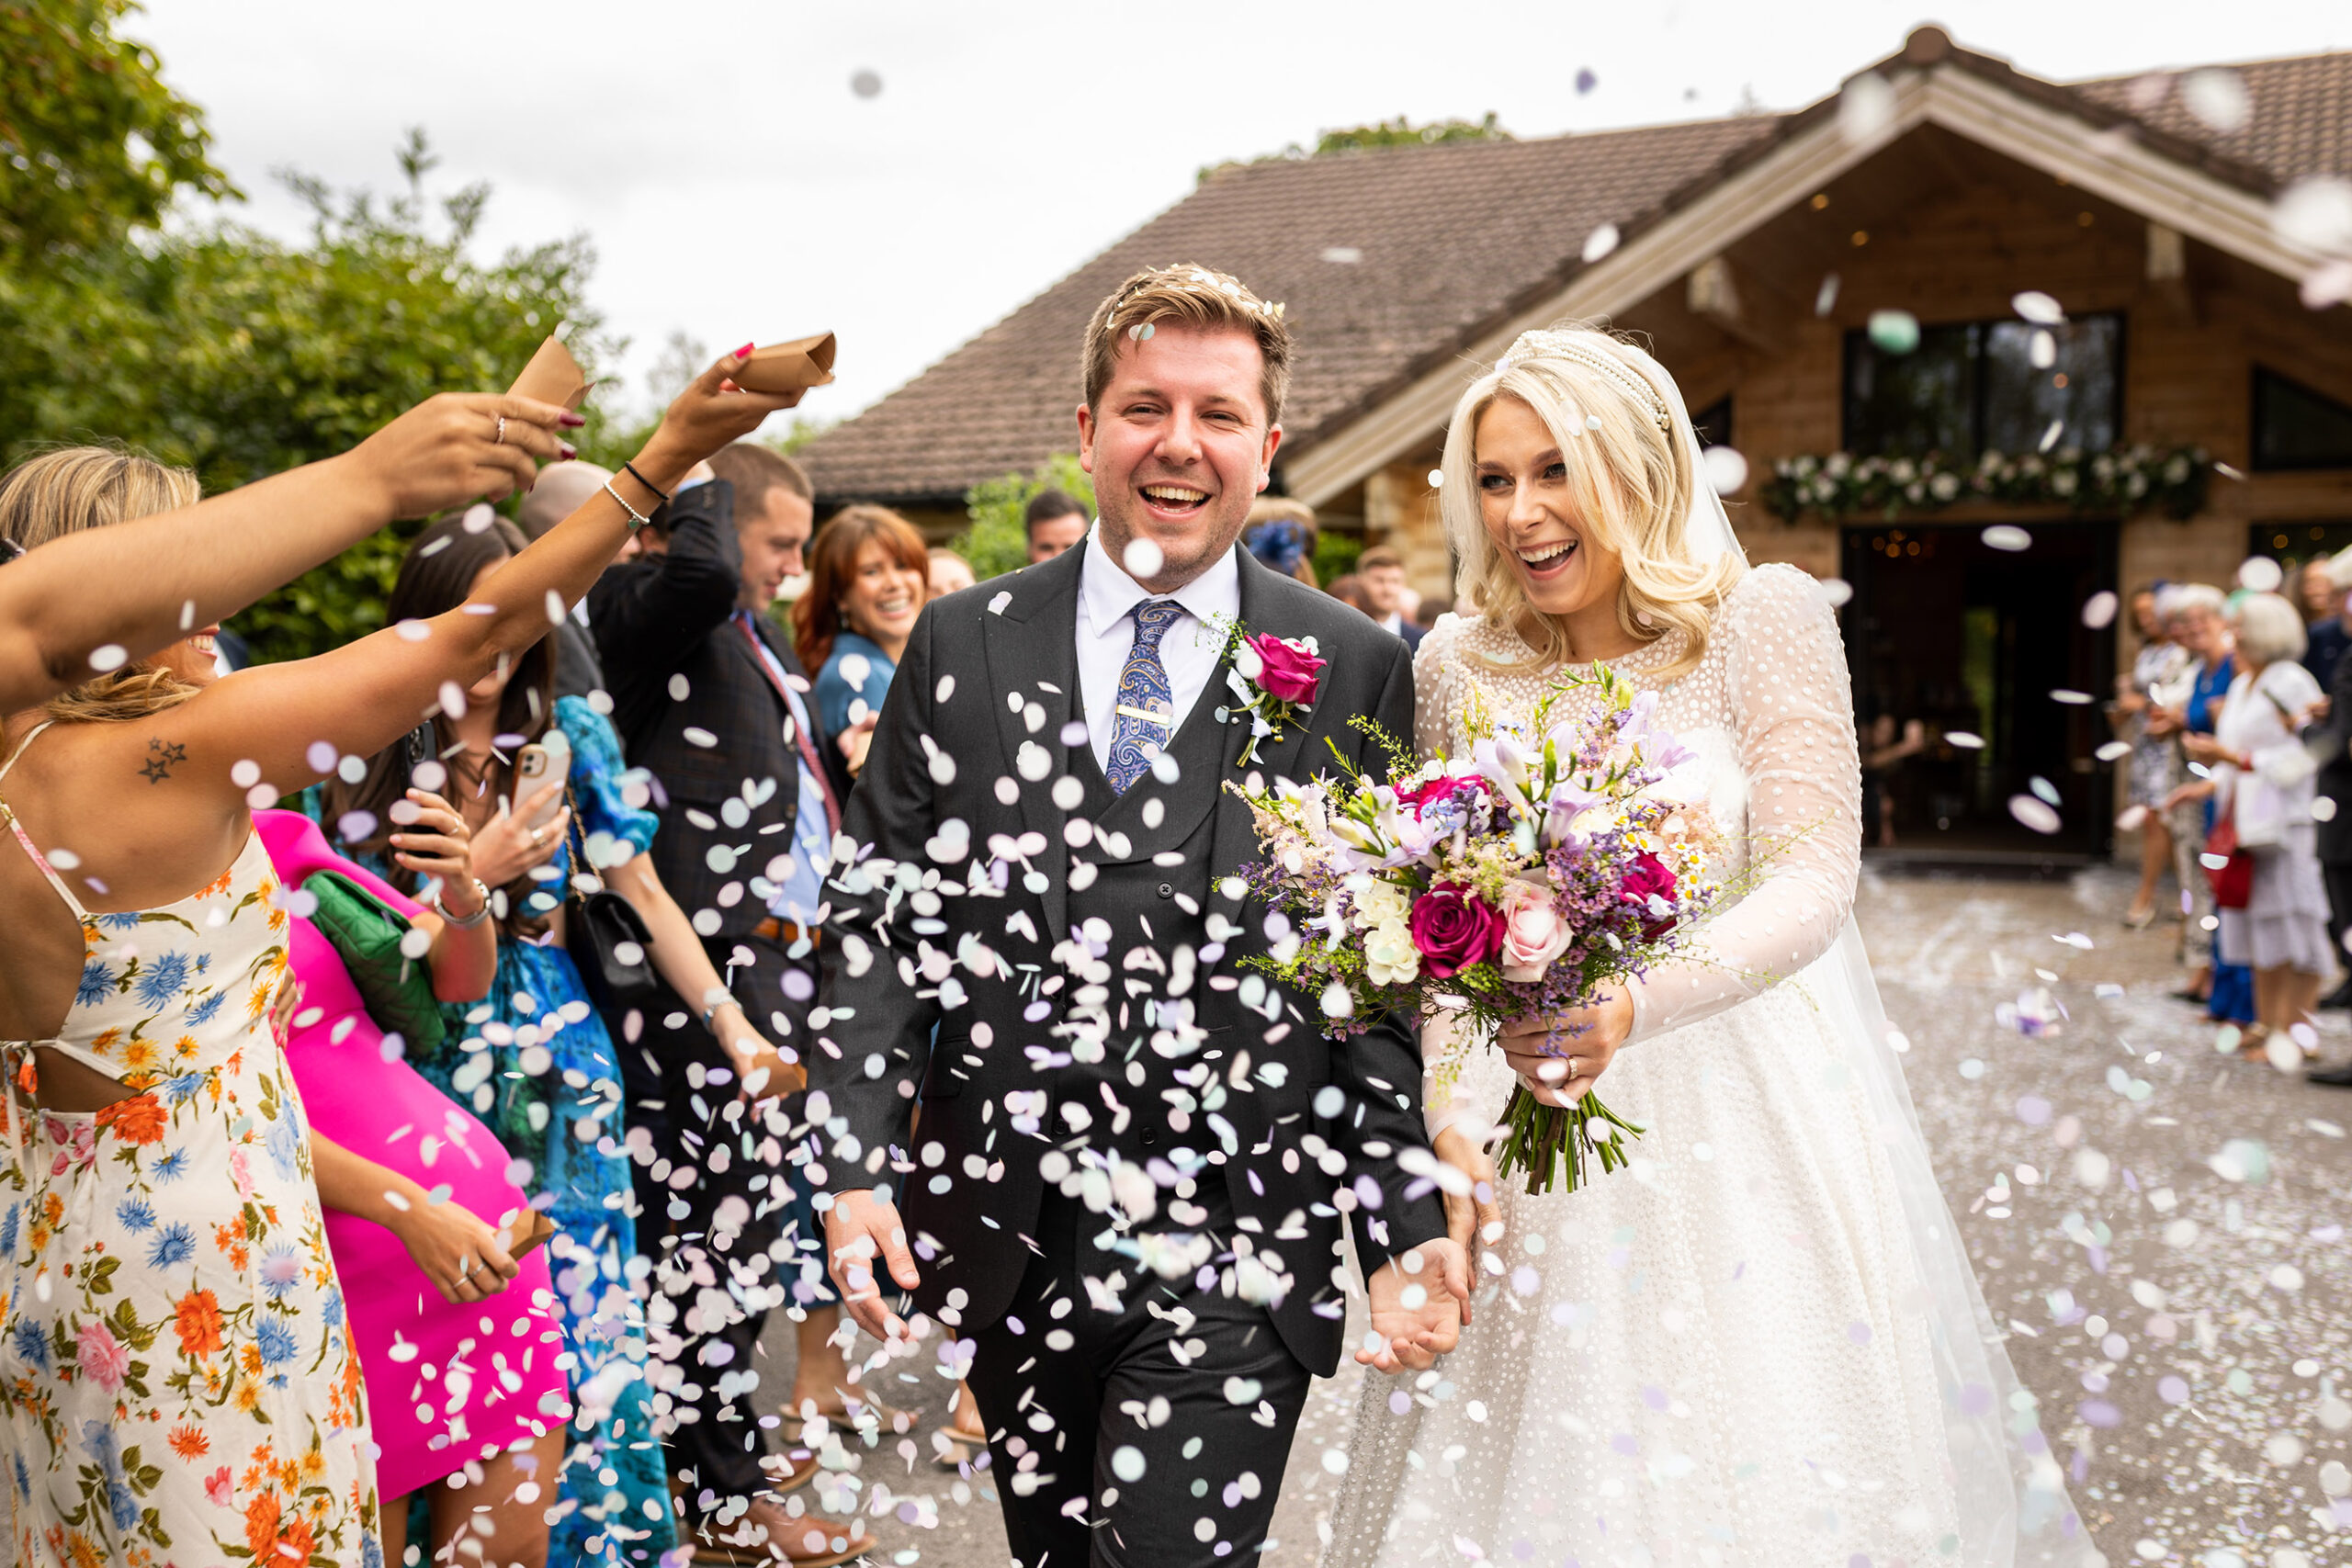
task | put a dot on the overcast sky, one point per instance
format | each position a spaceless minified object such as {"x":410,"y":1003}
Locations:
{"x":736,"y":186}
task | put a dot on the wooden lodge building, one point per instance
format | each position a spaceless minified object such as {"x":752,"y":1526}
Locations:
{"x":1837,"y":291}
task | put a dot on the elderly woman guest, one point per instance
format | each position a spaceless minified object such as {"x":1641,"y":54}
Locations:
{"x":869,"y":577}
{"x":2195,"y":615}
{"x":169,"y":1138}
{"x":2155,"y":758}
{"x":2262,"y":779}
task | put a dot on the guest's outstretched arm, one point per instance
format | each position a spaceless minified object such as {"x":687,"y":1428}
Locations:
{"x":142,"y":585}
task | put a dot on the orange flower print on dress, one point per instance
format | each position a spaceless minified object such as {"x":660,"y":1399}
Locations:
{"x":199,"y":1321}
{"x":260,"y":1526}
{"x":139,"y":1120}
{"x":190,"y":1442}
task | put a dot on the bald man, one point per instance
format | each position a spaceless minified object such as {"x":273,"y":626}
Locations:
{"x":562,"y":488}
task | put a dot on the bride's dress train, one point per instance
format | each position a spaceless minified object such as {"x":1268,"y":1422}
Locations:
{"x":1761,"y":1343}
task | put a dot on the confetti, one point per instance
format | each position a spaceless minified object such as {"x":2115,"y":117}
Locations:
{"x":1143,"y":559}
{"x":1726,"y":470}
{"x":2260,"y":574}
{"x":1825,"y":297}
{"x":2037,"y":307}
{"x":2098,"y":610}
{"x":1585,"y":80}
{"x":108,"y":656}
{"x":1865,"y":108}
{"x":2006,"y":536}
{"x":866,"y":84}
{"x":2034,"y":813}
{"x":1437,"y":479}
{"x":2217,"y":97}
{"x":1342,"y":255}
{"x":1963,"y":740}
{"x":2071,"y":698}
{"x":1599,"y":242}
{"x":1894,"y":332}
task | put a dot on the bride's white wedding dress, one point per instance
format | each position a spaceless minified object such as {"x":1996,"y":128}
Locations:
{"x":1761,"y":1343}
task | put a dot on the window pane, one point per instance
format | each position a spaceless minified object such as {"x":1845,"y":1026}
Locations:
{"x":2077,"y":391}
{"x":1911,"y":404}
{"x":2295,"y":427}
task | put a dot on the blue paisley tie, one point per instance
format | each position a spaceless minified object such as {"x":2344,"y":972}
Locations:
{"x":1135,"y":739}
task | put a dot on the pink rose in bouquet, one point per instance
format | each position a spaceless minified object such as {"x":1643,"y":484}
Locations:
{"x":1533,"y":932}
{"x":1289,"y":673}
{"x":1648,"y":876}
{"x":1453,"y":929}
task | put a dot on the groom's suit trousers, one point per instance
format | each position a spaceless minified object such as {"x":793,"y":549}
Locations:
{"x":1196,"y":1383}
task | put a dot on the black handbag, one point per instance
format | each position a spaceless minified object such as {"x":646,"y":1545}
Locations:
{"x":608,"y":940}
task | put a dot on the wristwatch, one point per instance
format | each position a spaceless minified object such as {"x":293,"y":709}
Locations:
{"x":464,"y":922}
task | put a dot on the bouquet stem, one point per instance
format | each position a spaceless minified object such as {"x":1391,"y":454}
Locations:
{"x":1537,"y":1137}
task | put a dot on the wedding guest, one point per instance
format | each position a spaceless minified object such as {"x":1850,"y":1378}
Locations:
{"x":468,"y":1424}
{"x":712,"y":703}
{"x":2333,"y":746}
{"x":1381,"y":572}
{"x":1885,"y":748}
{"x":1281,"y":533}
{"x":868,"y":579}
{"x":167,"y":1160}
{"x":2194,"y":613}
{"x":536,"y":1061}
{"x":950,"y":573}
{"x":2155,"y":768}
{"x":1055,"y":521}
{"x":558,"y":494}
{"x":141,"y":585}
{"x":1348,"y":589}
{"x":2262,"y":783}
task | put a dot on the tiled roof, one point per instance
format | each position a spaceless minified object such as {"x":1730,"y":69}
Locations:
{"x":2300,"y":123}
{"x":1448,"y":240}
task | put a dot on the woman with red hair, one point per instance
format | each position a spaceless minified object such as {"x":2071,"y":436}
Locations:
{"x":869,"y":577}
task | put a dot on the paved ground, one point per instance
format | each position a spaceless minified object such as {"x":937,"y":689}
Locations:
{"x":2161,"y":1226}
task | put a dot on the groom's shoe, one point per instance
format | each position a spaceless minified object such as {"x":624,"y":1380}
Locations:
{"x":2334,"y":1078}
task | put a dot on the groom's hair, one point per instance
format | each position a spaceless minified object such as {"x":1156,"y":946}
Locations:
{"x":1191,"y":296}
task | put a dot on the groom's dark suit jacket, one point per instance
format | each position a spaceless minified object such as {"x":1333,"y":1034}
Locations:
{"x":972,"y":732}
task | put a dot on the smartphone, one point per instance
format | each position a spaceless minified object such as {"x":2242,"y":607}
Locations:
{"x":544,"y":762}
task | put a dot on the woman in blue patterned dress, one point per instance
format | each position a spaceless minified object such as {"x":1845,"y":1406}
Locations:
{"x":534,"y":1060}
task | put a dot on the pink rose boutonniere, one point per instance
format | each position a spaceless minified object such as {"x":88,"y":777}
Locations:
{"x":1275,"y":678}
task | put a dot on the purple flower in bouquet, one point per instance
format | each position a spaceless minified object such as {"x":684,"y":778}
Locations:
{"x":1649,"y":878}
{"x":1568,"y":802}
{"x":1454,"y":929}
{"x":1289,"y":671}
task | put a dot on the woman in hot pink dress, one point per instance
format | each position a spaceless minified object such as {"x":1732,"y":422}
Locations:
{"x":451,"y":1382}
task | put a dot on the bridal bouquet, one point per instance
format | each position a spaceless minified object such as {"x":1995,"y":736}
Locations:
{"x":1520,"y":880}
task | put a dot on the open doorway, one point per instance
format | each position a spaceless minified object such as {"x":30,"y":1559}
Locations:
{"x":1970,"y":641}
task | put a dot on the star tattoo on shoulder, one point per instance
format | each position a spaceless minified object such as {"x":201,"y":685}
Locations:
{"x":162,"y":757}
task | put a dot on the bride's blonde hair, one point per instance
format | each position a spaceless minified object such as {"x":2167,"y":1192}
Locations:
{"x":1620,"y":428}
{"x":66,"y":489}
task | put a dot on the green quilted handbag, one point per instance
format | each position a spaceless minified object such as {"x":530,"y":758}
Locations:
{"x":367,"y":932}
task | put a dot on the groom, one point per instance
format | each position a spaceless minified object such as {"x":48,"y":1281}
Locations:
{"x":1058,"y":1109}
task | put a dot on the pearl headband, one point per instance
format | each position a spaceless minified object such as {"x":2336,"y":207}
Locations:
{"x":1544,"y":344}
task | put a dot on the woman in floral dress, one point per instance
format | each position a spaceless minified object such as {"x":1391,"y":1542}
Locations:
{"x":177,"y":1380}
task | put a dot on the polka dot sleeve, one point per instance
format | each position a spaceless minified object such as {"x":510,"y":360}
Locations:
{"x":1789,"y":701}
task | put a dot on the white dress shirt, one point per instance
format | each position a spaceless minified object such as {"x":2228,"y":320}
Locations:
{"x":1394,"y":624}
{"x":1106,"y":635}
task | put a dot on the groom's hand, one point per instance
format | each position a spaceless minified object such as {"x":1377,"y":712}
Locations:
{"x":859,"y":1228}
{"x":1558,"y":1057}
{"x":1420,"y":1298}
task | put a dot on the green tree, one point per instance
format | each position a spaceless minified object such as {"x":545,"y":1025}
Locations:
{"x":226,"y":350}
{"x":1398,"y":132}
{"x":92,"y":144}
{"x":998,"y":540}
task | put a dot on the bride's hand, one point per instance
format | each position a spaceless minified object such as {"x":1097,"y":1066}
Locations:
{"x":1558,"y":1057}
{"x":1472,"y":1219}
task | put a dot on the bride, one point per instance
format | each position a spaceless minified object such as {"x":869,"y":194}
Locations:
{"x":1762,"y":1343}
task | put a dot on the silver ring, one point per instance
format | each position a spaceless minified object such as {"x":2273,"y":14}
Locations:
{"x":539,"y":836}
{"x":499,"y":438}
